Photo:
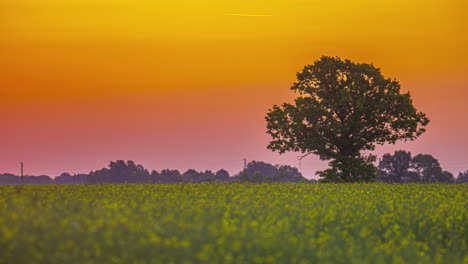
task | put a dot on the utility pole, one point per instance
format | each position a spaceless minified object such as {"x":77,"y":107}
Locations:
{"x":245,"y":163}
{"x":22,"y":172}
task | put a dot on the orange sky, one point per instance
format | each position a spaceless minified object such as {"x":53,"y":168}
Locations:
{"x":184,"y":84}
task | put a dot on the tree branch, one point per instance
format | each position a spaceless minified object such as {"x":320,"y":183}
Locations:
{"x":299,"y":158}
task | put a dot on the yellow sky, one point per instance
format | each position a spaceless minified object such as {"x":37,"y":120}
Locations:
{"x":125,"y":46}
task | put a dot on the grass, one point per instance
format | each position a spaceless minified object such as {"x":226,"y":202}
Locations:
{"x":234,"y":223}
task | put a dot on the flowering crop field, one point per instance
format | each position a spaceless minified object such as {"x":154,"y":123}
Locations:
{"x":234,"y":223}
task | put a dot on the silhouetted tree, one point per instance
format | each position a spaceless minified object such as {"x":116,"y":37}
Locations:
{"x":154,"y":176}
{"x":120,"y":172}
{"x":395,"y":168}
{"x":222,"y":175}
{"x":7,"y":179}
{"x":100,"y":176}
{"x":256,"y":177}
{"x":169,"y":176}
{"x":401,"y":167}
{"x":262,"y":167}
{"x":343,"y":108}
{"x":198,"y":177}
{"x":208,"y":176}
{"x":286,"y":173}
{"x":42,"y":179}
{"x":81,"y":178}
{"x":64,"y":178}
{"x":446,"y":177}
{"x":190,"y":173}
{"x":429,"y":170}
{"x":127,"y":172}
{"x":258,"y":171}
{"x":462,"y":177}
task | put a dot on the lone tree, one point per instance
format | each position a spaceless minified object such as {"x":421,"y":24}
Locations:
{"x":343,"y":109}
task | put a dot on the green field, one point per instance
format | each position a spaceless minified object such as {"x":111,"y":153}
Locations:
{"x":234,"y":223}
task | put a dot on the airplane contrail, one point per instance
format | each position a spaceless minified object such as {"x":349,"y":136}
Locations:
{"x":250,"y":15}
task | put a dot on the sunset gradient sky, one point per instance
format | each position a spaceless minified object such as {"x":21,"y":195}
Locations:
{"x":186,"y":84}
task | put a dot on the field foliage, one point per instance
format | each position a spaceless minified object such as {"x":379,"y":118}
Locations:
{"x":234,"y":223}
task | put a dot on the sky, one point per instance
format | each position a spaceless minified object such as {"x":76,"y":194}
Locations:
{"x":186,"y":84}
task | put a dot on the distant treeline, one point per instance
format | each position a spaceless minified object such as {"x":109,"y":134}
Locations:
{"x":400,"y":167}
{"x":129,"y":172}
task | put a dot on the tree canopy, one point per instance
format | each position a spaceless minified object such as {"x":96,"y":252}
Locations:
{"x":343,"y":109}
